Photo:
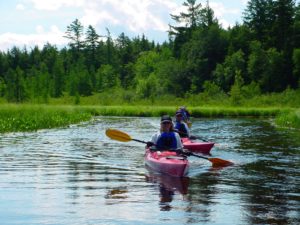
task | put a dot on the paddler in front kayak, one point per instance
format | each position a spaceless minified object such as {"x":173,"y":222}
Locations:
{"x":166,"y":138}
{"x":180,"y":126}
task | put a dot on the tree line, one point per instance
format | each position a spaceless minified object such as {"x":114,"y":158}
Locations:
{"x":261,"y":55}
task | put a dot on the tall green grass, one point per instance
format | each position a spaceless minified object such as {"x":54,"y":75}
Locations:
{"x":170,"y":110}
{"x":25,"y":117}
{"x":33,"y":117}
{"x":290,"y":119}
{"x":116,"y":97}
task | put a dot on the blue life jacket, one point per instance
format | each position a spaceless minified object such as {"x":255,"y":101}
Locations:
{"x":182,"y":129}
{"x":167,"y":141}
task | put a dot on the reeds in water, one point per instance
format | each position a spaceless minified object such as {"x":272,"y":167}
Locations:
{"x":33,"y":117}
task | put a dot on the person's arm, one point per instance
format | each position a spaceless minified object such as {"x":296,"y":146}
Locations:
{"x":153,"y":140}
{"x":179,"y":143}
{"x":187,"y":129}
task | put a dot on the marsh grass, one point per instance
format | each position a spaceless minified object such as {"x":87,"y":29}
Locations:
{"x":290,"y":119}
{"x":26,"y":117}
{"x":33,"y":117}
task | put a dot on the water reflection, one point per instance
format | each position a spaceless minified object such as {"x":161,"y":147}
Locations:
{"x":76,"y":175}
{"x":168,"y":186}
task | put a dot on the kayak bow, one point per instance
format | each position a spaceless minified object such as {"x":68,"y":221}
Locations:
{"x":167,"y":162}
{"x":198,"y":147}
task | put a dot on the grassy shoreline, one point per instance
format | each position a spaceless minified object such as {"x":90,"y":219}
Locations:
{"x":31,"y":117}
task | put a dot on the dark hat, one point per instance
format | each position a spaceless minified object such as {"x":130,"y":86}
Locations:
{"x":178,"y":113}
{"x":165,"y":118}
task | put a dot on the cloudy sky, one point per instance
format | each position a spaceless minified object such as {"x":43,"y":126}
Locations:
{"x":36,"y":22}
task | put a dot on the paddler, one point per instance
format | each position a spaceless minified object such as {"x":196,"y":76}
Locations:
{"x":166,"y":138}
{"x":180,"y":126}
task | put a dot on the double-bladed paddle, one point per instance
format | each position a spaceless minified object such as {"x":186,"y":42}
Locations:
{"x":121,"y":136}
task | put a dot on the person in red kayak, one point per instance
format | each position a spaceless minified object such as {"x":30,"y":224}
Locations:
{"x":166,"y":138}
{"x":180,"y":126}
{"x":185,"y":114}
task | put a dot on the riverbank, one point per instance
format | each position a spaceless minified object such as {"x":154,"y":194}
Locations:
{"x":31,"y":117}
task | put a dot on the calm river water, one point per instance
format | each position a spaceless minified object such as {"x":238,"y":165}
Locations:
{"x":77,"y":175}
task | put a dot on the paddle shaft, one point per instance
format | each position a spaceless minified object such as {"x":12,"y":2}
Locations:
{"x":199,"y":156}
{"x":139,"y":141}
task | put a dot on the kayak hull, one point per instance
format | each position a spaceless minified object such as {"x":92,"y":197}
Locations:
{"x":167,"y":162}
{"x":199,"y":147}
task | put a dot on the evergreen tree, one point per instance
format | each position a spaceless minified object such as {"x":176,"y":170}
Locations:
{"x":125,"y":56}
{"x":91,"y":43}
{"x":181,"y":34}
{"x":259,"y":17}
{"x":16,"y":88}
{"x":74,"y":33}
{"x":58,"y":78}
{"x":283,"y":25}
{"x":296,"y":62}
{"x":296,"y":28}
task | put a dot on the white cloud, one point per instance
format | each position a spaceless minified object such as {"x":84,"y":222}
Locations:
{"x":221,"y":11}
{"x":20,"y":7}
{"x":56,"y":4}
{"x":137,"y":16}
{"x":54,"y":36}
{"x":39,"y":29}
{"x":150,"y":17}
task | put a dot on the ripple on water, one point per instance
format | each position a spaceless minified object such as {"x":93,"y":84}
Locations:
{"x":77,"y":175}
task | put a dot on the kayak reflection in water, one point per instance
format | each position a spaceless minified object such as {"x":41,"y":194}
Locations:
{"x":166,"y":138}
{"x":168,"y":187}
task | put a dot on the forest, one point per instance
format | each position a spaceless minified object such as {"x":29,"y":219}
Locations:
{"x":201,"y":60}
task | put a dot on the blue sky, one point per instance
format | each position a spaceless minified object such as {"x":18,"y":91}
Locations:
{"x":36,"y":22}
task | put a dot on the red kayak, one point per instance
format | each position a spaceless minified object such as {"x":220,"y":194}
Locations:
{"x":167,"y":162}
{"x":200,"y":147}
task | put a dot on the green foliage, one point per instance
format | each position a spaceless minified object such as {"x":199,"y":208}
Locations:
{"x":200,"y":61}
{"x":251,"y":90}
{"x":256,"y":62}
{"x":33,"y":117}
{"x":236,"y":89}
{"x":296,"y":61}
{"x":74,"y":33}
{"x":213,"y":91}
{"x":225,"y":72}
{"x":107,"y":78}
{"x":290,"y":119}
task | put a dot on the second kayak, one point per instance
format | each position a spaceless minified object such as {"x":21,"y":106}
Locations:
{"x":200,"y":147}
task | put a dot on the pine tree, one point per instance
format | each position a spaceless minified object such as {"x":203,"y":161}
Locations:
{"x":74,"y":33}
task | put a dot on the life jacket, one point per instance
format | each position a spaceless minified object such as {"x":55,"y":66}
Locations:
{"x":182,"y":129}
{"x":167,"y":141}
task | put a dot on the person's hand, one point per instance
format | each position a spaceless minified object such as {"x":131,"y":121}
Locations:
{"x":149,"y":144}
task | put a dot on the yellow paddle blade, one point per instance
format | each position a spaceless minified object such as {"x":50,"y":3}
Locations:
{"x":117,"y":135}
{"x":219,"y":162}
